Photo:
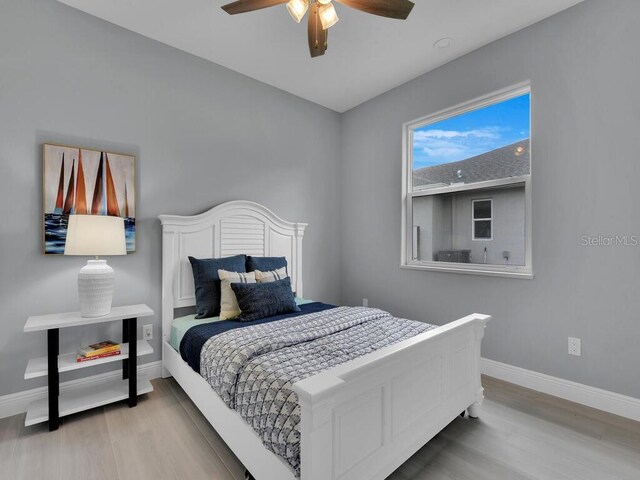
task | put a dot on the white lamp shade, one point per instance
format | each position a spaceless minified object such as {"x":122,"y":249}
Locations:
{"x":95,"y":235}
{"x":297,"y":9}
{"x":328,"y":15}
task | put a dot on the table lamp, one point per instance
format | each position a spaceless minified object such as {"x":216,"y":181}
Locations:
{"x":95,"y":235}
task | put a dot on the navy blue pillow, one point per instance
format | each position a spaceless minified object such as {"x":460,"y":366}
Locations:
{"x":262,"y":300}
{"x":266,"y":264}
{"x":207,"y":281}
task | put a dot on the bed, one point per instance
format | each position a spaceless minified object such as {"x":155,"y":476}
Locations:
{"x":358,"y":420}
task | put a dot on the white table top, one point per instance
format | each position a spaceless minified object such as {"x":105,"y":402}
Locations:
{"x":72,"y":319}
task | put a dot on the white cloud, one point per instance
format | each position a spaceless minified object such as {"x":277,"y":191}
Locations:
{"x":454,"y":144}
{"x":488,"y":132}
{"x":444,"y":151}
{"x":437,"y":147}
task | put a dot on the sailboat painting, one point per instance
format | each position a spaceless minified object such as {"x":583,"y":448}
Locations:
{"x":79,"y":181}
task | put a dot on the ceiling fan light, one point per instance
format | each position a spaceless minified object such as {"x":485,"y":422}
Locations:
{"x":328,"y":15}
{"x":297,"y":9}
{"x":323,"y":2}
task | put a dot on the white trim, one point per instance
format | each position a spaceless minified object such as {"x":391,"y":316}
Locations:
{"x":16,"y":403}
{"x":406,"y":261}
{"x":610,"y":402}
{"x":423,"y":191}
{"x":504,"y":271}
{"x":470,"y":105}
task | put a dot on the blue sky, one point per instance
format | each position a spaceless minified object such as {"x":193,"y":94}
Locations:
{"x":472,"y":133}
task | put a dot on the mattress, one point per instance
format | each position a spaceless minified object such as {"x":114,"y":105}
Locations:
{"x":180,"y":325}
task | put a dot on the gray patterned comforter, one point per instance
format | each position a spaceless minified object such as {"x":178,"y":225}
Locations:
{"x":253,"y":369}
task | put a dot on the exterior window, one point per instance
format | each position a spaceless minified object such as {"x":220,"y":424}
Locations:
{"x":482,"y":218}
{"x":466,"y":187}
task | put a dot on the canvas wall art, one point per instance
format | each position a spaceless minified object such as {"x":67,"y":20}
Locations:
{"x":80,"y":181}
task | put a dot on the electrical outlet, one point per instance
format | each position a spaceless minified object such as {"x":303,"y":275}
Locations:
{"x":365,"y":302}
{"x":147,"y":332}
{"x":574,"y":347}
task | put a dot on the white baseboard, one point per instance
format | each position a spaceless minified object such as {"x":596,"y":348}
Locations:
{"x":16,"y":403}
{"x":622,"y":405}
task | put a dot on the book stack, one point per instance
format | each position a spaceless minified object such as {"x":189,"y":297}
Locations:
{"x":98,"y":350}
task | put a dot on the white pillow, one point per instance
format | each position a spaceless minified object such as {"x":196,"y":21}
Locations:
{"x":228,"y":303}
{"x":272,"y":276}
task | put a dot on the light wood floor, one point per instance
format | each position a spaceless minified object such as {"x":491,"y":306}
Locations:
{"x":520,"y":435}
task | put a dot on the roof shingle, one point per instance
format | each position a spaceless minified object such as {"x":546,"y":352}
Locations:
{"x":506,"y":162}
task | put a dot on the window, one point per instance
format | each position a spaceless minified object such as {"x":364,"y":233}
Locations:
{"x":467,"y":187}
{"x":482,"y":218}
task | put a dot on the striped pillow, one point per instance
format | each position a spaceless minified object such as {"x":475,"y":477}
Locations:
{"x":228,"y":304}
{"x":272,"y":276}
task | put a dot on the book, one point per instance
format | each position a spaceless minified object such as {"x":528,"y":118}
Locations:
{"x":92,"y":353}
{"x":99,"y":348}
{"x":81,"y":358}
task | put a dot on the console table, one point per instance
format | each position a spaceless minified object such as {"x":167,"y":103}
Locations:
{"x":78,"y":398}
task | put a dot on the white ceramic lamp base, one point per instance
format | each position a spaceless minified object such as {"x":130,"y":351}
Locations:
{"x":95,"y":288}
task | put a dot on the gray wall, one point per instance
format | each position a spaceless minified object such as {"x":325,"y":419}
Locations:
{"x":584,"y":69}
{"x":202,"y":134}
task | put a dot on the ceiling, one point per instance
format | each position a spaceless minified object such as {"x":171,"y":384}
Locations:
{"x":367,"y":55}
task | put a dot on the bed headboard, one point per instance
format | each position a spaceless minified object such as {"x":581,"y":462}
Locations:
{"x":229,"y":229}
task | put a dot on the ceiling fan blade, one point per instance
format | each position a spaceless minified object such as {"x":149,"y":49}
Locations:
{"x":317,"y":35}
{"x":242,"y":6}
{"x":399,"y":9}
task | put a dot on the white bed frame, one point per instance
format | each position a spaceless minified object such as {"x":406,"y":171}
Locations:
{"x":360,"y":420}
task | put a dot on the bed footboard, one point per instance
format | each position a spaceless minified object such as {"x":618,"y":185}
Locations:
{"x":363,"y":419}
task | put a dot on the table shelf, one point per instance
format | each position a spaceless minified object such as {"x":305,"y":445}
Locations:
{"x":89,"y":394}
{"x":84,"y":397}
{"x":74,"y":319}
{"x":37,"y":367}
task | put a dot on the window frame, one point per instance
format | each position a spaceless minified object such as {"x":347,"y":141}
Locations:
{"x":474,"y":219}
{"x":409,"y":193}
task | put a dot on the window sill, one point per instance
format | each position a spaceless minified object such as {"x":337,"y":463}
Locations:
{"x":472,"y":269}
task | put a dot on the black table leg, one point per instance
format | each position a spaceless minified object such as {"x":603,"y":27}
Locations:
{"x":133,"y":353}
{"x":53,"y":350}
{"x":125,"y":339}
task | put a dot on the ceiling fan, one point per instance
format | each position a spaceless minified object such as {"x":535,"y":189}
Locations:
{"x":322,"y":14}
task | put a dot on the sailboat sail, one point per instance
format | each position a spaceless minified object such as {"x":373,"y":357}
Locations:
{"x":112,"y":200}
{"x":68,"y":203}
{"x":98,"y":191}
{"x":60,"y":197}
{"x":81,"y":191}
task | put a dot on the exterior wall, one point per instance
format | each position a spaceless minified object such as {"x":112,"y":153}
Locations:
{"x":507,"y":226}
{"x":443,"y":232}
{"x":445,"y":224}
{"x":433,"y":216}
{"x":423,"y":220}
